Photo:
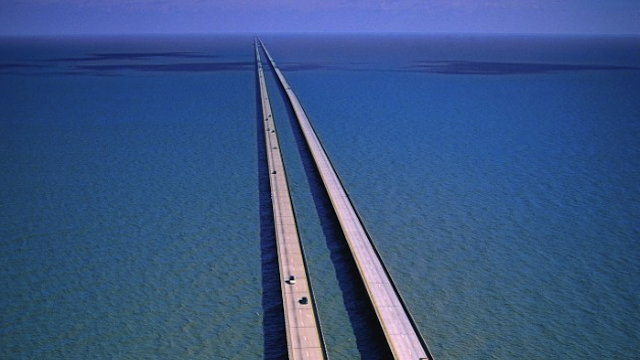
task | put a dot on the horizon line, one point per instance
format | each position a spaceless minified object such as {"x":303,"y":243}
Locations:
{"x":312,"y":33}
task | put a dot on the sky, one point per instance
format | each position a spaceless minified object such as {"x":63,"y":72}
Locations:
{"x":34,"y":17}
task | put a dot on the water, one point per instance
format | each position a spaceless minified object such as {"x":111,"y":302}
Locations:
{"x":498,"y":176}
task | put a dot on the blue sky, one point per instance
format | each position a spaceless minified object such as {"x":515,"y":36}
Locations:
{"x":267,"y":16}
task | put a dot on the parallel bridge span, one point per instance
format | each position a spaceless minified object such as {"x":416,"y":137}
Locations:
{"x":304,"y":337}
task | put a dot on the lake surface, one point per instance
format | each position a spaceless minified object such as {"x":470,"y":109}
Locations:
{"x":498,"y":175}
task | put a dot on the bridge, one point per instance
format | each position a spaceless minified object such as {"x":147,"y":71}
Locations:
{"x":399,"y":327}
{"x":304,"y":336}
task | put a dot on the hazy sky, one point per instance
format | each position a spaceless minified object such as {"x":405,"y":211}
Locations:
{"x":263,"y":16}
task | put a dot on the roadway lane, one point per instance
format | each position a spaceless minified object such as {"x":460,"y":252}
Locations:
{"x":304,"y":337}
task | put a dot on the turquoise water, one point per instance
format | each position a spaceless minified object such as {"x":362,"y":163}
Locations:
{"x":498,"y":176}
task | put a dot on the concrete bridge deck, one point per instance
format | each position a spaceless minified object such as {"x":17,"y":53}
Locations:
{"x":401,"y":332}
{"x":304,"y":337}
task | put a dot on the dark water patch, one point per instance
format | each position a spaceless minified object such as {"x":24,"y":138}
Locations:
{"x":78,"y":73}
{"x":18,"y":68}
{"x":45,"y":74}
{"x":13,"y":66}
{"x":135,"y":56}
{"x":273,"y":325}
{"x":176,"y":67}
{"x":505,"y":68}
{"x":307,"y":67}
{"x":115,"y":69}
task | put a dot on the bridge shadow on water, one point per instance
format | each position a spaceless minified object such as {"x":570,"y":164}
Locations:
{"x":370,"y":339}
{"x":273,"y":327}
